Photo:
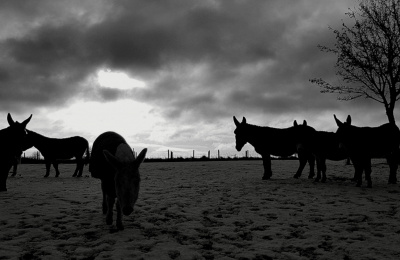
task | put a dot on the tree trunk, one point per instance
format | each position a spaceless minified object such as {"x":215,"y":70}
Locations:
{"x":390,"y":115}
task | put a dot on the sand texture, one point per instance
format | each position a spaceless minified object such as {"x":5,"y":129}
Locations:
{"x":204,"y":210}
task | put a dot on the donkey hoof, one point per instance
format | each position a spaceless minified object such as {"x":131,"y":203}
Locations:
{"x":296,"y":176}
{"x":323,"y":180}
{"x":316,"y":180}
{"x":266,"y":177}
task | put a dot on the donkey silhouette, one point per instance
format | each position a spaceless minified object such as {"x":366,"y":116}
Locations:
{"x":284,"y":142}
{"x":365,"y":143}
{"x":113,"y":162}
{"x":11,"y":139}
{"x":325,"y":145}
{"x":54,"y":149}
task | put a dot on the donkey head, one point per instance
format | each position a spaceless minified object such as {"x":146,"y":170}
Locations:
{"x":303,"y":134}
{"x":17,"y":131}
{"x":344,"y":130}
{"x":240,"y":133}
{"x":127,"y":177}
{"x":17,"y":127}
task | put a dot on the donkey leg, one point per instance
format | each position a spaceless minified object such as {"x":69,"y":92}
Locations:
{"x":323,"y":169}
{"x":48,"y":164}
{"x":318,"y":178}
{"x":303,"y":162}
{"x":3,"y":178}
{"x":311,"y":163}
{"x":15,"y":168}
{"x":358,"y":169}
{"x":80,"y":168}
{"x":267,"y":166}
{"x":110,"y":206}
{"x":120,"y":226}
{"x":321,"y":166}
{"x":367,"y":169}
{"x":104,"y":204}
{"x":76,"y":169}
{"x":55,"y":165}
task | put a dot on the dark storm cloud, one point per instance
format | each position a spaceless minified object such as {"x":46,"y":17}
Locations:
{"x":201,"y":59}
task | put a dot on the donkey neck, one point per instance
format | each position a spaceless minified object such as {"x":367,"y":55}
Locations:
{"x":37,"y":140}
{"x":257,"y":133}
{"x":124,"y":153}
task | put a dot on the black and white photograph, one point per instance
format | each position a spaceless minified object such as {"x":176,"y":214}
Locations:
{"x":199,"y":129}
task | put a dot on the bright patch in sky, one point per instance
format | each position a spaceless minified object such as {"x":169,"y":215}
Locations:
{"x":126,"y":117}
{"x":120,"y":80}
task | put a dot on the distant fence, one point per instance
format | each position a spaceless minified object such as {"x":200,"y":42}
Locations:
{"x":171,"y":155}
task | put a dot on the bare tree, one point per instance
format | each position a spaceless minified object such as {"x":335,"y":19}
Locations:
{"x":368,"y":55}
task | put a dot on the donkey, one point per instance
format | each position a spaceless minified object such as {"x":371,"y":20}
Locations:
{"x":114,"y":163}
{"x":325,"y":145}
{"x":54,"y":149}
{"x":269,"y":141}
{"x":11,"y":139}
{"x":365,"y":143}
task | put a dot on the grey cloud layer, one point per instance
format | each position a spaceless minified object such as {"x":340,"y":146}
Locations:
{"x":199,"y":58}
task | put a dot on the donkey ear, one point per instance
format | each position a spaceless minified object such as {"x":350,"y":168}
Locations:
{"x":236,"y":121}
{"x":304,"y":122}
{"x":141,"y":157}
{"x":348,"y":120}
{"x":244,"y":120}
{"x":10,"y":120}
{"x":111,"y":159}
{"x":295,"y":123}
{"x":338,"y":123}
{"x":26,"y":121}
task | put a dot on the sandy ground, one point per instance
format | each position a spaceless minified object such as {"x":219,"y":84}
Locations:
{"x":204,"y":210}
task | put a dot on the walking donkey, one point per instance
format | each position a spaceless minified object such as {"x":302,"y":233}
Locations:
{"x":114,"y":163}
{"x":53,"y":149}
{"x":365,"y":143}
{"x":284,"y":142}
{"x":11,"y":139}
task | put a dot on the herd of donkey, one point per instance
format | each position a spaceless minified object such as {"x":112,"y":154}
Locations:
{"x":114,"y":163}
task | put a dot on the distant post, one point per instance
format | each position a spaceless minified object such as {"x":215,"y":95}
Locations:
{"x":168,"y":154}
{"x":193,"y":154}
{"x":218,"y":154}
{"x":208,"y":154}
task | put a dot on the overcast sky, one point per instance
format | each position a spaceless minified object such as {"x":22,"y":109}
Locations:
{"x":171,"y":74}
